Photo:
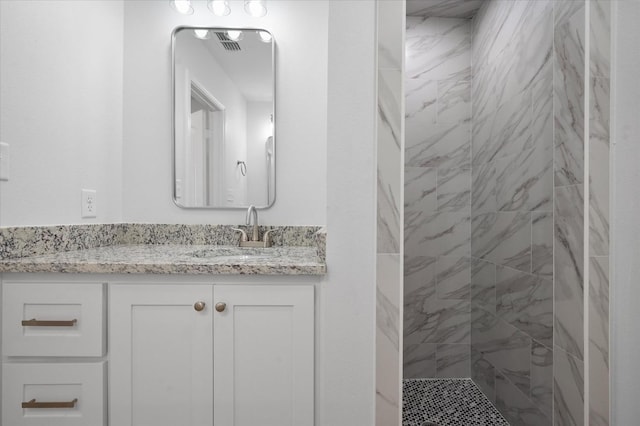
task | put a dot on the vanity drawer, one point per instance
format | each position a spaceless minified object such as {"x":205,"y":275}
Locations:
{"x":53,"y":319}
{"x":53,"y":394}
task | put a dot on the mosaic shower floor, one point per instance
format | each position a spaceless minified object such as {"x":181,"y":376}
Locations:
{"x":447,"y":402}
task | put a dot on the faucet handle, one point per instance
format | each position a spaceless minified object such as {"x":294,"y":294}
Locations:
{"x":267,"y":237}
{"x":243,"y":236}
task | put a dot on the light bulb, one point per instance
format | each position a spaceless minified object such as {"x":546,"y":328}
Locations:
{"x":234,"y":35}
{"x":219,"y":7}
{"x":182,"y":6}
{"x":256,"y":8}
{"x":265,"y":37}
{"x":201,"y":34}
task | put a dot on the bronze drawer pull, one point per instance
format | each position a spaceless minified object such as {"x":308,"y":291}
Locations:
{"x":34,"y":404}
{"x":37,"y":323}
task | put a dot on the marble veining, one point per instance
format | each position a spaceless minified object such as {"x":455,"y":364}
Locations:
{"x":454,"y":101}
{"x":512,"y":206}
{"x":599,"y":340}
{"x":483,"y":285}
{"x":440,"y":145}
{"x":515,"y":405}
{"x":503,"y":238}
{"x":454,"y":192}
{"x":387,"y":338}
{"x":453,"y":360}
{"x":599,"y":167}
{"x":419,"y":360}
{"x":420,"y":189}
{"x":503,"y":345}
{"x":569,"y":269}
{"x":421,"y":100}
{"x":542,"y":378}
{"x":437,"y":197}
{"x":525,"y":181}
{"x":389,"y":175}
{"x":542,"y":244}
{"x":438,"y":58}
{"x":526,"y":302}
{"x":483,"y":374}
{"x":569,"y":111}
{"x":598,"y":368}
{"x":453,"y":277}
{"x":568,"y":391}
{"x":443,"y":321}
{"x":389,"y":264}
{"x":437,"y":234}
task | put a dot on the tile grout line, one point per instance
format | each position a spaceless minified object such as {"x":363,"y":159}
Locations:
{"x":586,"y":286}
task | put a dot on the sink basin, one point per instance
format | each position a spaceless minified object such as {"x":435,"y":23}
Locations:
{"x":231,"y":253}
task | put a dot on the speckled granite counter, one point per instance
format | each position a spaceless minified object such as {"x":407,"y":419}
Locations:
{"x":174,"y":259}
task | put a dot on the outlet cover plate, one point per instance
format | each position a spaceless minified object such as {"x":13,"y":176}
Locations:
{"x":89,"y":203}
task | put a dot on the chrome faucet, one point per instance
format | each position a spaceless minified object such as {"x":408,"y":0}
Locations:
{"x":253,"y":213}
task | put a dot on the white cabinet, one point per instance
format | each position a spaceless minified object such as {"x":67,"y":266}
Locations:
{"x":263,"y":355}
{"x":53,"y":319}
{"x":166,"y":353}
{"x":161,"y":355}
{"x":246,"y":358}
{"x":53,"y":394}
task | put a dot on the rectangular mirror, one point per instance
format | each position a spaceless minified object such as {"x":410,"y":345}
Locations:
{"x":224,"y":115}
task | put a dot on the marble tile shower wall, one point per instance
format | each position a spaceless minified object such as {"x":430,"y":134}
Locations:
{"x":437,"y":233}
{"x":512,"y":221}
{"x":599,"y":118}
{"x":390,"y":146}
{"x":569,"y":117}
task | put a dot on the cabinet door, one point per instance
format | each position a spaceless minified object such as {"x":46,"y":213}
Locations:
{"x":161,"y":355}
{"x":263,"y":355}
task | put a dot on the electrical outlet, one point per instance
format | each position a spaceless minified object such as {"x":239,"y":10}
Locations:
{"x":4,"y":161}
{"x":89,"y":203}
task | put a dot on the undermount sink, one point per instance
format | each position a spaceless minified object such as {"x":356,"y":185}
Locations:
{"x":232,"y":252}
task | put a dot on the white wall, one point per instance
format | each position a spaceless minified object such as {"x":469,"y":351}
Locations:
{"x":60,"y":109}
{"x":625,"y":291}
{"x":300,"y":31}
{"x":347,"y":296}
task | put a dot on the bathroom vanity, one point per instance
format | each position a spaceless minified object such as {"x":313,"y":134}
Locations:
{"x":160,"y":335}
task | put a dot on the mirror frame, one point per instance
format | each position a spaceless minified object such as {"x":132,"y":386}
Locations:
{"x":173,"y":117}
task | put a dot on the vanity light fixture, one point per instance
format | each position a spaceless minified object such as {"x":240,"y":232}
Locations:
{"x":182,"y":6}
{"x":234,"y":35}
{"x":256,"y":8}
{"x":202,"y":34}
{"x":265,"y":37}
{"x":219,"y":7}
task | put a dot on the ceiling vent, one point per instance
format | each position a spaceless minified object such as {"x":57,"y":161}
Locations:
{"x":227,"y":43}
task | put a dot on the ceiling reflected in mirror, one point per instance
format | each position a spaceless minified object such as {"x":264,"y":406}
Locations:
{"x":465,"y":9}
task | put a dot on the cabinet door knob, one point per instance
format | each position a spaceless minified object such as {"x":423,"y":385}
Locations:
{"x":221,"y":306}
{"x":198,"y":306}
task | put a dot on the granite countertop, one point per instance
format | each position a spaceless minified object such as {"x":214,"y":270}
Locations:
{"x":174,"y":259}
